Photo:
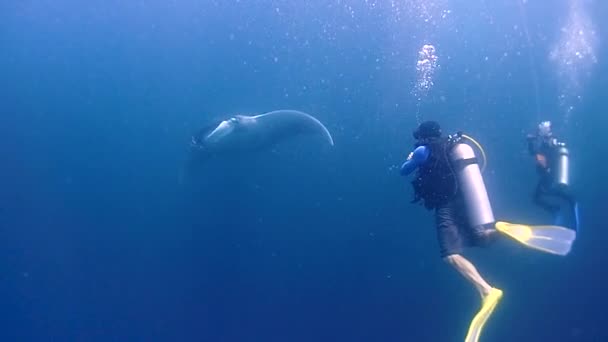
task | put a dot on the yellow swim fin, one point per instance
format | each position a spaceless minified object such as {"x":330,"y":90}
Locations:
{"x":551,"y":239}
{"x":487,"y":307}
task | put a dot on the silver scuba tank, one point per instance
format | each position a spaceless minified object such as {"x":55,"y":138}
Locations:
{"x":561,"y":174}
{"x":472,"y":187}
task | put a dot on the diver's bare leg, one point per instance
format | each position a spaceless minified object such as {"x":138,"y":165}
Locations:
{"x":466,"y":268}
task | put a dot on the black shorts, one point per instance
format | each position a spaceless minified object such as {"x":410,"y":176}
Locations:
{"x":454,"y":233}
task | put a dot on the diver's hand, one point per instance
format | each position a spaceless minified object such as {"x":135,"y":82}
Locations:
{"x":541,"y":160}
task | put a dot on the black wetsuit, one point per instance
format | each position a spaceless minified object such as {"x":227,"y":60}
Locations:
{"x":548,"y":194}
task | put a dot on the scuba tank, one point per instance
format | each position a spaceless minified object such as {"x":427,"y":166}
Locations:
{"x":466,"y":167}
{"x":561,"y":174}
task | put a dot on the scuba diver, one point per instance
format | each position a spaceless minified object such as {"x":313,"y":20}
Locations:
{"x":553,"y":191}
{"x":449,"y":181}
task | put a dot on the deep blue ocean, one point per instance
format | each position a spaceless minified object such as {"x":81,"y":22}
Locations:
{"x":100,"y":241}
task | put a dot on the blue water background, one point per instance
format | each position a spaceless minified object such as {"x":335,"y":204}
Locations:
{"x":100,"y":242}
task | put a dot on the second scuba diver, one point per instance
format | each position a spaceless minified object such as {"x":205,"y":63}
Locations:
{"x":553,"y":192}
{"x":449,"y":182}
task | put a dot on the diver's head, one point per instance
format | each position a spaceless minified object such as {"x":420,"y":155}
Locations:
{"x":544,"y":129}
{"x":428,"y":129}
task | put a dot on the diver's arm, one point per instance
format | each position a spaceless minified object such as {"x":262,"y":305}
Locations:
{"x":415,"y":159}
{"x":532,"y":144}
{"x":534,"y":148}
